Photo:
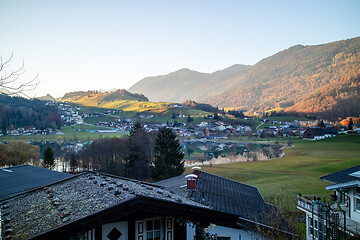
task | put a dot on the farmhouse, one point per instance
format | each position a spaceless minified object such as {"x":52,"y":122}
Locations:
{"x":101,"y":206}
{"x":317,"y":133}
{"x":342,"y":214}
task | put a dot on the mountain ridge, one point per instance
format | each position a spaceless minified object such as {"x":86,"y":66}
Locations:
{"x":182,"y":84}
{"x":296,"y":79}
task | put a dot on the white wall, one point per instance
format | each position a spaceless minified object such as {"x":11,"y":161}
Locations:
{"x":355,"y":215}
{"x":234,"y":234}
{"x":121,"y":226}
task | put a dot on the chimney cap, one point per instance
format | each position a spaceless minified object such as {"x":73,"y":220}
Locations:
{"x":196,"y":168}
{"x":191,"y":176}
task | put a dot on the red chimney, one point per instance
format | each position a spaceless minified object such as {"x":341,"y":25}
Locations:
{"x":191,"y":181}
{"x":196,"y":171}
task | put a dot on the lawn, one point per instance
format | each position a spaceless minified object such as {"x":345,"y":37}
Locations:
{"x":279,"y":180}
{"x":71,"y":133}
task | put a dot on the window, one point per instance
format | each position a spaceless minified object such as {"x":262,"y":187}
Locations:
{"x":311,"y":226}
{"x":316,"y":228}
{"x":153,"y":229}
{"x":357,"y":203}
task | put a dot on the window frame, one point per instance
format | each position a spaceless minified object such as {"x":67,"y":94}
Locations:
{"x":357,"y":204}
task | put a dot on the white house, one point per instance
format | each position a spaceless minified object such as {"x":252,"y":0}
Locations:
{"x":342,"y":214}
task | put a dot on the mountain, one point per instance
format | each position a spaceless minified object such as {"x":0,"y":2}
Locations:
{"x":187,"y":84}
{"x":321,"y":80}
{"x":47,"y":97}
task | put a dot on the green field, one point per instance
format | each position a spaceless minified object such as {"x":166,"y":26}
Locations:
{"x":71,"y":133}
{"x":279,"y":180}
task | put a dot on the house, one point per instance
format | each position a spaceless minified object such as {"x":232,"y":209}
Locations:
{"x":317,"y":133}
{"x":22,"y":178}
{"x":102,"y":206}
{"x":228,"y":196}
{"x":313,"y":133}
{"x":330,"y":220}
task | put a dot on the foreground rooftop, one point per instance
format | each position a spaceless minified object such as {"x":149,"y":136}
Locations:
{"x":67,"y":201}
{"x":18,"y":179}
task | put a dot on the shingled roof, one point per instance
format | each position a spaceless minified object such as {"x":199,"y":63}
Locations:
{"x":343,"y":176}
{"x":228,"y":196}
{"x":67,"y":202}
{"x":17,"y":179}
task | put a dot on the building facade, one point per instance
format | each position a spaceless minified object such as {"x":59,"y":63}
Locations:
{"x":341,"y":216}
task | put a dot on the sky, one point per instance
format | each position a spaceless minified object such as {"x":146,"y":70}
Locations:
{"x":80,"y":45}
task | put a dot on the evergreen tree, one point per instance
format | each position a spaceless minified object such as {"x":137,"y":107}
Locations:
{"x":49,"y":160}
{"x":189,"y":119}
{"x":138,"y":160}
{"x":351,"y":124}
{"x":168,"y":158}
{"x":135,"y":128}
{"x":321,"y":124}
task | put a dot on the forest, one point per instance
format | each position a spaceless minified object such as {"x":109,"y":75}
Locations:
{"x":17,"y":112}
{"x":141,"y":155}
{"x":321,"y":80}
{"x":200,"y":106}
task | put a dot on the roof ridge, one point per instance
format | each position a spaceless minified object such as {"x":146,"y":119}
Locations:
{"x":126,"y":179}
{"x":346,"y":169}
{"x":22,"y":165}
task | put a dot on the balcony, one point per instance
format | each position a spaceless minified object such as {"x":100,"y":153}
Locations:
{"x":317,"y":208}
{"x":311,"y":206}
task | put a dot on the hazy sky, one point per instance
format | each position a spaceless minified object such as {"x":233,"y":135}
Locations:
{"x":88,"y":45}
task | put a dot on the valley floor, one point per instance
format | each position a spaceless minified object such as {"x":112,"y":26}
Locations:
{"x":298,"y":171}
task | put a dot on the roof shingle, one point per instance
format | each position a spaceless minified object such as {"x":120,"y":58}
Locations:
{"x":18,"y":179}
{"x":225,"y":195}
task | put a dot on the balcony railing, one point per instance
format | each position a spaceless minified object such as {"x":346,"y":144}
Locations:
{"x":309,"y":205}
{"x":317,"y":208}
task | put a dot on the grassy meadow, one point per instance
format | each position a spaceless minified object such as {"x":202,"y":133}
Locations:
{"x":279,"y":180}
{"x":71,"y":133}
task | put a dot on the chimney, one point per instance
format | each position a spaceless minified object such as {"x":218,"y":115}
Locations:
{"x":191,"y":181}
{"x":196,"y":171}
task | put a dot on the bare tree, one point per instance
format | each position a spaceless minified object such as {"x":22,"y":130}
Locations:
{"x":11,"y":82}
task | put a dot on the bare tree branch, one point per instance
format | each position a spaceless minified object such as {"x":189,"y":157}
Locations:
{"x":10,"y":81}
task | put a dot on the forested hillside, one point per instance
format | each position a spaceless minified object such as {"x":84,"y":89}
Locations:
{"x":17,"y":112}
{"x":94,"y":98}
{"x":321,"y":79}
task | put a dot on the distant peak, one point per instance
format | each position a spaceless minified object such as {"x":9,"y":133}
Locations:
{"x":184,"y":70}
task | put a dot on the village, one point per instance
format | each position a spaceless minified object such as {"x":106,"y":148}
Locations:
{"x":209,"y":128}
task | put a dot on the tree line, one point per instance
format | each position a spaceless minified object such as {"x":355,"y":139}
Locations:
{"x":17,"y":112}
{"x":141,"y":155}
